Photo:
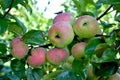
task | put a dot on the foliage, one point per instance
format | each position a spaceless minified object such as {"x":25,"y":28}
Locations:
{"x":20,"y":18}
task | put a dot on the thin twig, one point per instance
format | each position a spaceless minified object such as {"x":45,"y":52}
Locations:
{"x":8,"y":9}
{"x":104,"y":12}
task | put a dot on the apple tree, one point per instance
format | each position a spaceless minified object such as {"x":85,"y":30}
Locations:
{"x":80,"y":43}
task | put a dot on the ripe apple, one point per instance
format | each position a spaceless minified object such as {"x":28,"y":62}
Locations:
{"x":116,"y":76}
{"x":86,"y":26}
{"x":37,"y":57}
{"x":19,"y":48}
{"x":67,"y":65}
{"x":78,"y":50}
{"x":57,"y":56}
{"x":61,"y":34}
{"x":67,"y":17}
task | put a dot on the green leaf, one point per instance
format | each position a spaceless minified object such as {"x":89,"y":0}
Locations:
{"x":3,"y":25}
{"x":116,"y":7}
{"x":52,"y":75}
{"x":3,"y":48}
{"x":108,"y":55}
{"x":106,"y":69}
{"x":16,"y":29}
{"x":12,"y":76}
{"x":79,"y":65}
{"x":18,"y":67}
{"x":38,"y":73}
{"x":106,"y":25}
{"x":34,"y":37}
{"x":29,"y":74}
{"x":110,"y":1}
{"x":7,"y":3}
{"x":69,"y":75}
{"x":91,"y":46}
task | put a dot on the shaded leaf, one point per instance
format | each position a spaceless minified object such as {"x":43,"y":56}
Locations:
{"x":91,"y":46}
{"x":106,"y":69}
{"x":3,"y":48}
{"x":18,"y":67}
{"x":12,"y":76}
{"x":34,"y":37}
{"x":69,"y":75}
{"x":29,"y":74}
{"x":108,"y":55}
{"x":79,"y":65}
{"x":3,"y":25}
{"x":110,"y":1}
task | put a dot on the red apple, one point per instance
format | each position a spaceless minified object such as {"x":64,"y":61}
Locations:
{"x":19,"y":48}
{"x":78,"y":50}
{"x":61,"y":34}
{"x":37,"y":57}
{"x":67,"y":17}
{"x":86,"y":26}
{"x":57,"y":56}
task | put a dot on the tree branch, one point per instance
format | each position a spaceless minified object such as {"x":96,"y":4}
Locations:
{"x":8,"y":9}
{"x":104,"y":12}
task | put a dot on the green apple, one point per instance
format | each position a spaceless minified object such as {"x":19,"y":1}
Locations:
{"x":67,"y":17}
{"x":78,"y":50}
{"x":86,"y":26}
{"x":61,"y":34}
{"x":37,"y":57}
{"x":57,"y":56}
{"x":19,"y":48}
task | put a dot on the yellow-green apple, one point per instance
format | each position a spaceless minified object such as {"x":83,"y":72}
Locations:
{"x":67,"y":17}
{"x":61,"y":34}
{"x":70,"y":59}
{"x":37,"y":57}
{"x":19,"y":48}
{"x":86,"y":26}
{"x":67,"y":65}
{"x":57,"y":56}
{"x":116,"y":76}
{"x":78,"y":50}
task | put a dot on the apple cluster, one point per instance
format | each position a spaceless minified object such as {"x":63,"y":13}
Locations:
{"x":60,"y":34}
{"x":37,"y":56}
{"x":64,"y":28}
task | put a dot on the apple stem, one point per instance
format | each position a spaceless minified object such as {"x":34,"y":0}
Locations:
{"x":98,"y":18}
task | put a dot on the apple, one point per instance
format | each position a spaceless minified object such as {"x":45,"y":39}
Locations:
{"x":116,"y":76}
{"x":78,"y":50}
{"x":67,"y":65}
{"x":61,"y":34}
{"x":57,"y":56}
{"x":37,"y":57}
{"x":19,"y":48}
{"x":67,"y":17}
{"x":90,"y":73}
{"x":70,"y":59}
{"x":86,"y":26}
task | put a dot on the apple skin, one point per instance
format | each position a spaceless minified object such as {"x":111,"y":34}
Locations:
{"x":37,"y":57}
{"x":61,"y":34}
{"x":57,"y":56}
{"x":70,"y":59}
{"x":67,"y":17}
{"x":19,"y":48}
{"x":86,"y":26}
{"x":78,"y":50}
{"x":116,"y":76}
